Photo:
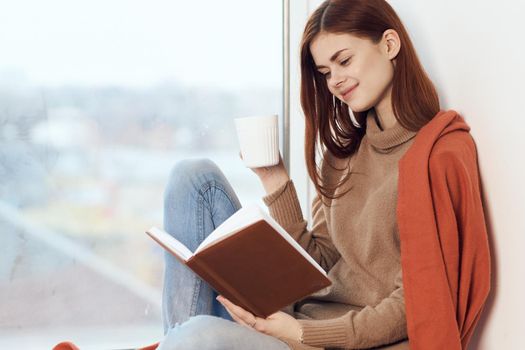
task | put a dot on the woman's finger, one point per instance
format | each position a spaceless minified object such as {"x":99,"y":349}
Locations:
{"x":235,"y":317}
{"x":247,"y":317}
{"x":239,"y":311}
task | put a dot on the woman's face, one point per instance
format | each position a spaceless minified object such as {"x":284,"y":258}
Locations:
{"x":352,"y":63}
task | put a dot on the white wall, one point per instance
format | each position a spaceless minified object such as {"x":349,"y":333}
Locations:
{"x":472,"y":51}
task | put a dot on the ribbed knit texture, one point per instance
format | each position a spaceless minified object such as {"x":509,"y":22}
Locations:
{"x":356,"y":240}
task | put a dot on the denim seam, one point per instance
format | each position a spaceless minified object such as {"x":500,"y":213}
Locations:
{"x":200,"y":233}
{"x":208,"y":185}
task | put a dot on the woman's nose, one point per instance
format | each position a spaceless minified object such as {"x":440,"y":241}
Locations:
{"x":336,"y":80}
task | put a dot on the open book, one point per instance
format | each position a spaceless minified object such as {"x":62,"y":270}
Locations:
{"x":252,"y":261}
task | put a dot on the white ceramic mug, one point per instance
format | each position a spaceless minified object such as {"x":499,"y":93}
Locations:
{"x":258,"y":140}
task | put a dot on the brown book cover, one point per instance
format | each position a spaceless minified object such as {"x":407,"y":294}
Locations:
{"x":252,"y":261}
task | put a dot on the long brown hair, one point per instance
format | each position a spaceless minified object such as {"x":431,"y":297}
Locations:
{"x":327,"y":120}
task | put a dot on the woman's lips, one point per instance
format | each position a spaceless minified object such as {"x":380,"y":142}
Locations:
{"x":348,"y":92}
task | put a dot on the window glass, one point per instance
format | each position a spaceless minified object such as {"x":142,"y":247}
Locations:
{"x":98,"y":101}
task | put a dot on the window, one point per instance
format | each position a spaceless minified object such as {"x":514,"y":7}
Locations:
{"x":98,"y":100}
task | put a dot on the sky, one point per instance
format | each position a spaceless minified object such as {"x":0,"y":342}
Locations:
{"x":227,"y":43}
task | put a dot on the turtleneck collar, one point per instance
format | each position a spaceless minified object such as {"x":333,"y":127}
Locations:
{"x":385,"y":139}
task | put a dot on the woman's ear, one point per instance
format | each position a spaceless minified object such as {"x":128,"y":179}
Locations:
{"x":392,"y":43}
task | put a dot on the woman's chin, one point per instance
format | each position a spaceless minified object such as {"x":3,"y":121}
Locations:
{"x":355,"y":107}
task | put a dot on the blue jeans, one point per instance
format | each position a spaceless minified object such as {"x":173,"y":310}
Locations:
{"x":197,"y":199}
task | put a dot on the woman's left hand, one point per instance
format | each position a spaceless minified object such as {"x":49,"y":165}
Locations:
{"x":280,"y":324}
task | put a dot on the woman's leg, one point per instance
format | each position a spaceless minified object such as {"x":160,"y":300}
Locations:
{"x":214,"y":333}
{"x":197,"y":199}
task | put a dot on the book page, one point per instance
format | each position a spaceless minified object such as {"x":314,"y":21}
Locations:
{"x":240,"y":219}
{"x":170,"y":243}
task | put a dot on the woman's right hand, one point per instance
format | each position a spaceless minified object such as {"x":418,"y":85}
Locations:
{"x":271,"y":176}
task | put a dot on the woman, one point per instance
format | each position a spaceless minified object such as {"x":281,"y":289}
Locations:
{"x":407,"y":262}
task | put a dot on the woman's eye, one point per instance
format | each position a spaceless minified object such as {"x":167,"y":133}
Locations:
{"x":344,"y":63}
{"x":324,"y":74}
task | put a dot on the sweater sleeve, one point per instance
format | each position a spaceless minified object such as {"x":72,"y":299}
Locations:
{"x":370,"y":327}
{"x":284,"y":207}
{"x":463,"y":238}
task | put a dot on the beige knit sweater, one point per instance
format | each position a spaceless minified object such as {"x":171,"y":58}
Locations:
{"x":356,"y":241}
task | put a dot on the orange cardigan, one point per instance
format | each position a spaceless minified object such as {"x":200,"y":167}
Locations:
{"x":445,"y":255}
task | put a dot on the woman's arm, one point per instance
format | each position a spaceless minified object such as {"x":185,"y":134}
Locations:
{"x":372,"y":326}
{"x":283,"y":204}
{"x":284,"y":207}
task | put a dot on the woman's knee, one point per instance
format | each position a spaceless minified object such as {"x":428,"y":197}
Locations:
{"x":190,"y":174}
{"x":199,"y":332}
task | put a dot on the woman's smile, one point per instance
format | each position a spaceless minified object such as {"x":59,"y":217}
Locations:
{"x":348,"y":92}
